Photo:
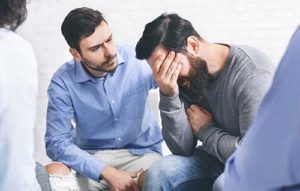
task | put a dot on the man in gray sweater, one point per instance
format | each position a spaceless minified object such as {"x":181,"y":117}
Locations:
{"x":208,"y":92}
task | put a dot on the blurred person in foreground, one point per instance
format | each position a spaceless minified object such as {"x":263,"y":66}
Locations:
{"x":18,"y":92}
{"x":269,"y":157}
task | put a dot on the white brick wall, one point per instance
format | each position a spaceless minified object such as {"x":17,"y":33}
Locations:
{"x":266,"y":25}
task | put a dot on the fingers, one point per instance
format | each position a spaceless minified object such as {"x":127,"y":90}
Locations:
{"x":175,"y":74}
{"x":140,"y":171}
{"x":135,"y":187}
{"x":137,"y":173}
{"x":188,"y":111}
{"x":194,"y":107}
{"x":203,"y":110}
{"x":167,"y":63}
{"x":131,"y":185}
{"x":167,"y":67}
{"x":157,"y":63}
{"x":194,"y":110}
{"x":141,"y":180}
{"x":169,"y":72}
{"x":197,"y":108}
{"x":172,"y":67}
{"x":133,"y":174}
{"x":165,"y":73}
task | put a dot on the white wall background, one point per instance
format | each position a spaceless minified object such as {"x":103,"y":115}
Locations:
{"x":266,"y":25}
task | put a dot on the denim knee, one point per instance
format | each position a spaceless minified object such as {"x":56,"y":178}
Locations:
{"x":218,"y":184}
{"x":160,"y":175}
{"x":174,"y":171}
{"x":166,"y":173}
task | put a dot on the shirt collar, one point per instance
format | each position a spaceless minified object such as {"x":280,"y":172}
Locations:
{"x":81,"y":75}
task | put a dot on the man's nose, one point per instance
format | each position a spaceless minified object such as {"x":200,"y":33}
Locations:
{"x":109,"y":50}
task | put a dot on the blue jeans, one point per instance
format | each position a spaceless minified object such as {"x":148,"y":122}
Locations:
{"x":219,"y":183}
{"x":197,"y":172}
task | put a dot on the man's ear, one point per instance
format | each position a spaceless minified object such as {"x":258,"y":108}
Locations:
{"x":193,"y":45}
{"x":75,"y":54}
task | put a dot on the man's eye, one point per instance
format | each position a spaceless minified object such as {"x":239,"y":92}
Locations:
{"x":109,"y":40}
{"x":94,"y":49}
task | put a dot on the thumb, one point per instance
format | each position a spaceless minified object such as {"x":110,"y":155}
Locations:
{"x":135,"y":174}
{"x":135,"y":187}
{"x":141,"y":170}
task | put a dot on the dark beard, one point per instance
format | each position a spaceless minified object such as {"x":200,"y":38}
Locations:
{"x":195,"y":85}
{"x":102,"y":67}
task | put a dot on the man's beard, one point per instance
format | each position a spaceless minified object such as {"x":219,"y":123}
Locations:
{"x":100,"y":67}
{"x":195,"y":84}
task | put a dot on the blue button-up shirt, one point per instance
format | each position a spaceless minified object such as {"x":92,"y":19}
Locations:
{"x":86,"y":113}
{"x":269,"y":157}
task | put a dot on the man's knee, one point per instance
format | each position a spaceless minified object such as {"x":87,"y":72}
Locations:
{"x":162,"y":174}
{"x":164,"y":169}
{"x":61,"y":177}
{"x":58,"y":169}
{"x":160,"y":168}
{"x":218,"y":184}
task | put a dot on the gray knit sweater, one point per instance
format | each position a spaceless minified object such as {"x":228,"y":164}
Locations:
{"x":233,"y":99}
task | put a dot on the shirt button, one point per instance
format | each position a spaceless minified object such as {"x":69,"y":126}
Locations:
{"x":113,"y":101}
{"x":116,"y":119}
{"x":119,"y":139}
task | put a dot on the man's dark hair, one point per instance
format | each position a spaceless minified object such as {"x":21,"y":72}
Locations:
{"x":80,"y":23}
{"x":169,"y":30}
{"x":12,"y":13}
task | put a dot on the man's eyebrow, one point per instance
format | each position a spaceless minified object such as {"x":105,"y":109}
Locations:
{"x":110,"y":36}
{"x":99,"y":44}
{"x":95,"y":46}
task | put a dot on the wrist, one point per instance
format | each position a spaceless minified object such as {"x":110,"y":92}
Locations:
{"x":167,"y":93}
{"x":204,"y":131}
{"x":200,"y":127}
{"x":107,"y":172}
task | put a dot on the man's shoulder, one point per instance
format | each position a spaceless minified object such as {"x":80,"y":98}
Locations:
{"x":250,"y":67}
{"x":65,"y":70}
{"x":126,"y":50}
{"x":253,"y":59}
{"x":127,"y":54}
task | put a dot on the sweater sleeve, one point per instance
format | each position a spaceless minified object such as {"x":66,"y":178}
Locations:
{"x":249,"y":93}
{"x":176,"y":129}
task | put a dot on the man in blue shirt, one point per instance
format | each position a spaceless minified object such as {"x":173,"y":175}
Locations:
{"x":269,"y":157}
{"x":99,"y":121}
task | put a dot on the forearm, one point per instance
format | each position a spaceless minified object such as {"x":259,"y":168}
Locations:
{"x":218,"y":142}
{"x":75,"y":158}
{"x":176,"y":128}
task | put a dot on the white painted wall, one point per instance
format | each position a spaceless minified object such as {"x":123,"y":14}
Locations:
{"x":266,"y":25}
